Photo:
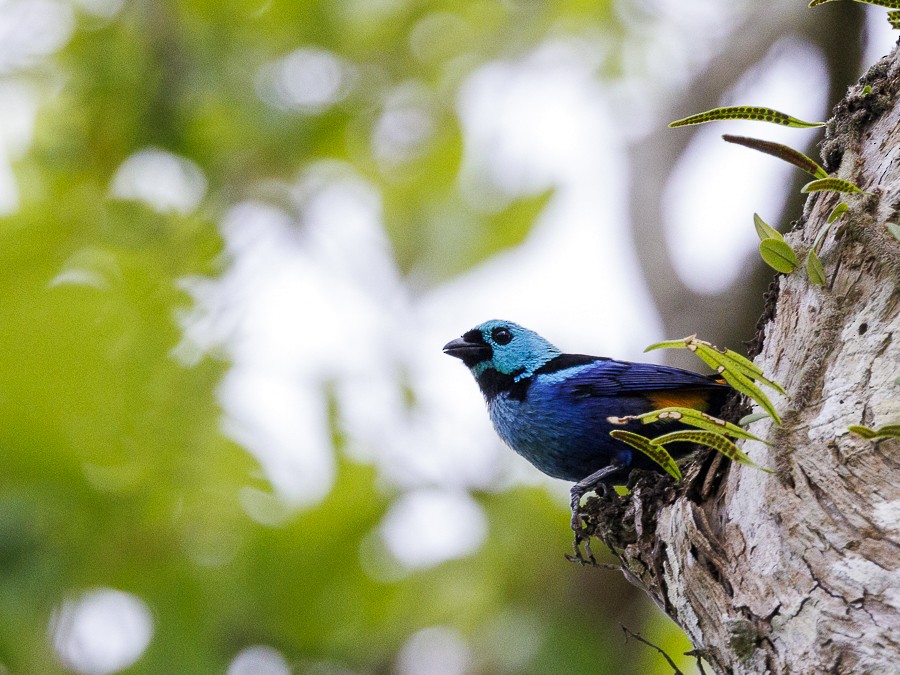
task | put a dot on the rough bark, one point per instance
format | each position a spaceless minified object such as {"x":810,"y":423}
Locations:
{"x":799,"y":571}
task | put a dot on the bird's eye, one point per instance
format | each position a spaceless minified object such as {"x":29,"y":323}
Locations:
{"x":501,"y":336}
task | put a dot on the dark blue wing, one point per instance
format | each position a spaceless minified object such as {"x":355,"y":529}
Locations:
{"x":561,"y":421}
{"x":607,"y":377}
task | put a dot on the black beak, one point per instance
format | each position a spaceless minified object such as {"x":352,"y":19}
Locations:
{"x":470,"y":352}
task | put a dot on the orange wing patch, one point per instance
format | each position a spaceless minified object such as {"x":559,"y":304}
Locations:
{"x":698,"y":399}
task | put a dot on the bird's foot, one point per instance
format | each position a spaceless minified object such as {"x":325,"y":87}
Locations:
{"x":578,"y":526}
{"x":593,"y":483}
{"x":586,"y":557}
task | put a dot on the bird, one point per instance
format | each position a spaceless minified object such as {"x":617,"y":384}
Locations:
{"x":554,"y":408}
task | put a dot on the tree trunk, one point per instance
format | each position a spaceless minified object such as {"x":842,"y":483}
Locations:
{"x":799,"y":571}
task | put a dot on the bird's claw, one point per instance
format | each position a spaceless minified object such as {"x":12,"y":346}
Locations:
{"x":579,"y":557}
{"x":592,"y":483}
{"x":581,"y":535}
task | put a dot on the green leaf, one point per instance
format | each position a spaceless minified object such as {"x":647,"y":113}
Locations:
{"x":736,"y":370}
{"x":764,"y":230}
{"x":860,"y":430}
{"x":713,"y":440}
{"x":893,"y":19}
{"x":692,"y":417}
{"x":655,"y":452}
{"x":753,"y":113}
{"x":894,"y":229}
{"x":720,"y":356}
{"x":886,"y":431}
{"x":747,"y":420}
{"x":868,"y":88}
{"x":778,"y":255}
{"x":830,"y":185}
{"x":780,"y":151}
{"x":670,"y":344}
{"x":510,"y":226}
{"x":747,"y":387}
{"x":814,"y":269}
{"x":739,"y":372}
{"x":731,"y":361}
{"x":476,"y":237}
{"x":820,"y":236}
{"x":837,"y":212}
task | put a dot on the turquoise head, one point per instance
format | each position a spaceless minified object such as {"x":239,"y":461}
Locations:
{"x":503,"y":346}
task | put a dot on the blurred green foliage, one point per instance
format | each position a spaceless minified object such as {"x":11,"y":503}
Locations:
{"x":114,"y":470}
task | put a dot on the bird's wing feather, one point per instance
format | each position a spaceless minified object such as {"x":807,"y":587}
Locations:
{"x":608,"y":377}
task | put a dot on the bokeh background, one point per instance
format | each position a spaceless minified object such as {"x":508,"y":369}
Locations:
{"x":234,"y":236}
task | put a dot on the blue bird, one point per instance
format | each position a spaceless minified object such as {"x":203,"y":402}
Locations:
{"x":553,"y":408}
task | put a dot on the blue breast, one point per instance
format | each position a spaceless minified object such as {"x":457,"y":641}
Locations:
{"x":560,"y":430}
